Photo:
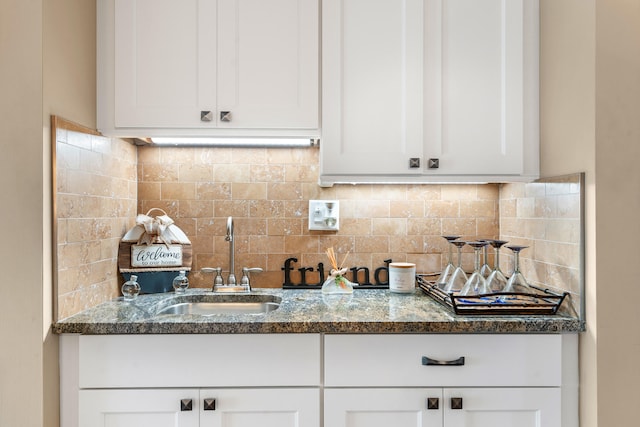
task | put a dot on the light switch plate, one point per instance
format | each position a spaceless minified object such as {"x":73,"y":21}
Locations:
{"x":324,"y":215}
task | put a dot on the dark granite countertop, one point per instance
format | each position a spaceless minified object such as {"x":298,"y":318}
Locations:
{"x":307,"y":311}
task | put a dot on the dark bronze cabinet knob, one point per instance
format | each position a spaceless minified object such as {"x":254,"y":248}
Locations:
{"x":456,"y":403}
{"x":206,"y":116}
{"x":433,"y":403}
{"x":209,"y":404}
{"x":186,"y":405}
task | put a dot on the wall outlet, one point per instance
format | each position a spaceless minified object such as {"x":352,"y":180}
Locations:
{"x":324,"y":215}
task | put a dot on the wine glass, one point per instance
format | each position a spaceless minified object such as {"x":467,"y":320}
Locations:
{"x":517,"y":282}
{"x":476,"y":284}
{"x":497,"y":280}
{"x":459,"y":277}
{"x":485,"y":269}
{"x":448,"y":270}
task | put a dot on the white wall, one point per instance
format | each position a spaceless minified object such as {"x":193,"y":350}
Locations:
{"x":567,"y":145}
{"x":47,"y":52}
{"x":21,"y":190}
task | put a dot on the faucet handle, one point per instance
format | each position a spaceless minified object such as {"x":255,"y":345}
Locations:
{"x":217,"y":270}
{"x":245,"y":274}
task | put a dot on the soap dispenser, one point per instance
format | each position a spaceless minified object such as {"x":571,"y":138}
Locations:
{"x":131,"y":288}
{"x":180,"y":283}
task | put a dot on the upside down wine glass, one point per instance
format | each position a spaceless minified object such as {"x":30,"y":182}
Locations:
{"x":459,"y":277}
{"x":449,"y":269}
{"x":485,"y":270}
{"x":497,"y":280}
{"x":476,"y":284}
{"x":517,"y":282}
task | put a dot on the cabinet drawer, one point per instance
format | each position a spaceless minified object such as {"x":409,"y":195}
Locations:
{"x":123,"y":361}
{"x":397,"y":360}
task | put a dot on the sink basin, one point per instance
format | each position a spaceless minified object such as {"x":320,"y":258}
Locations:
{"x":209,"y":305}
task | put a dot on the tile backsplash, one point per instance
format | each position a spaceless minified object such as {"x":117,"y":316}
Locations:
{"x":267,"y":193}
{"x":103,"y":183}
{"x":96,"y":194}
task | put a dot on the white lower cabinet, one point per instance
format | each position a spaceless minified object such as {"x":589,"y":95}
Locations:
{"x":314,"y":380}
{"x":453,"y":380}
{"x":435,"y":407}
{"x":200,"y":407}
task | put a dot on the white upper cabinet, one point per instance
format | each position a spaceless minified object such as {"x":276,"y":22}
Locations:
{"x":208,"y":67}
{"x":430,"y":91}
{"x":372,"y":86}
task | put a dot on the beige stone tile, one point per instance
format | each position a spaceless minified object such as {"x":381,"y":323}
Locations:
{"x":406,"y":244}
{"x":148,"y":155}
{"x":212,"y":155}
{"x":424,"y":192}
{"x":266,"y":244}
{"x":249,"y":155}
{"x":487,"y":228}
{"x":149,"y":190}
{"x":250,"y":226}
{"x":459,"y":192}
{"x":169,"y":206}
{"x":425,"y":263}
{"x":546,"y":207}
{"x":389,"y":226}
{"x":568,"y":206}
{"x":195,"y":209}
{"x":301,"y":244}
{"x":366,"y":209}
{"x":249,"y":191}
{"x":526,"y":207}
{"x":80,"y":140}
{"x":407,"y":209}
{"x":267,"y":173}
{"x":231,"y":173}
{"x":268,"y":209}
{"x":424,"y":226}
{"x":292,"y":209}
{"x":177,"y":155}
{"x":478,"y":209}
{"x":508,"y":208}
{"x":164,"y":173}
{"x":178,"y":191}
{"x":312,"y":191}
{"x":465,"y":227}
{"x":284,"y":191}
{"x":488,"y":191}
{"x":284,"y":226}
{"x":393,"y":192}
{"x":340,"y":244}
{"x":353,"y":192}
{"x":195,"y":172}
{"x":442,"y":209}
{"x":67,"y":156}
{"x":301,"y":173}
{"x":213,"y":191}
{"x":562,"y":230}
{"x":235,"y":208}
{"x":511,"y":191}
{"x":534,"y":189}
{"x":369,"y":244}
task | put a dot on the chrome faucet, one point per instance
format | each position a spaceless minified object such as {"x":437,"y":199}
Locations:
{"x":231,"y":285}
{"x":231,"y":281}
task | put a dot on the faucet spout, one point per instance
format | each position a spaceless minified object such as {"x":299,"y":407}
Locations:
{"x":229,"y":238}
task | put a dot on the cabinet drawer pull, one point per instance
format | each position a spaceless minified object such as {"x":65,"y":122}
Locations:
{"x":225,"y":116}
{"x":209,"y":404}
{"x":186,"y":405}
{"x":456,"y":403}
{"x":426,"y":361}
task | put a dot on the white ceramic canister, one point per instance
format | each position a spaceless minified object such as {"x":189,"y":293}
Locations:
{"x":402,"y":277}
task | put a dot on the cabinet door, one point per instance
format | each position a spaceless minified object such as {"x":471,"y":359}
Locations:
{"x":138,"y":408}
{"x":395,"y":407}
{"x":164,"y":63}
{"x":372,"y":86}
{"x":262,"y":407}
{"x":480,"y":94}
{"x":503,"y":407}
{"x":268,"y":57}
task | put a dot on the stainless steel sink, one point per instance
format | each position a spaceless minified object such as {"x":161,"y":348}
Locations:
{"x":209,"y":305}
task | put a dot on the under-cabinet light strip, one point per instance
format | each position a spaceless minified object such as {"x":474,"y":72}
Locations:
{"x":238,"y":142}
